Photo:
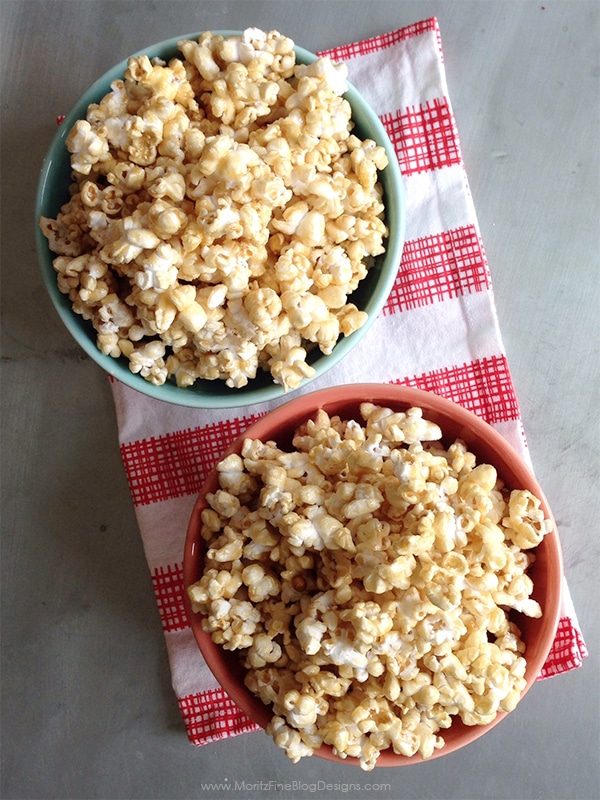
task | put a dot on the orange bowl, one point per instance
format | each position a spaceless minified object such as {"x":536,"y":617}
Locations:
{"x":456,"y":423}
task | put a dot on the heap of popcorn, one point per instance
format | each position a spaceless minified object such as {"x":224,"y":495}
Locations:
{"x":222,"y":212}
{"x":366,"y":578}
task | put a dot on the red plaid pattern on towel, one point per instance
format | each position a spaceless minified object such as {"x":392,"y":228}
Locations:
{"x":209,"y":716}
{"x":438,"y":331}
{"x":424,"y":138}
{"x":568,"y":651}
{"x":438,"y":267}
{"x":169,"y":591}
{"x":483,"y":387}
{"x":379,"y":43}
{"x":177,"y":463}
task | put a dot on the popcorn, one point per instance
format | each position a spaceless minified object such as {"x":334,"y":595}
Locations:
{"x":377,"y":569}
{"x":231,"y":206}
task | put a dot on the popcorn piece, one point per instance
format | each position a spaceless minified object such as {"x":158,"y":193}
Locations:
{"x":233,"y":623}
{"x":229,"y":546}
{"x":263,"y":650}
{"x":302,"y":709}
{"x":214,"y":585}
{"x":260,"y":583}
{"x":525,"y":524}
{"x":310,"y":632}
{"x":289,"y":739}
{"x":224,"y":503}
{"x":86,"y":146}
{"x":147,"y":360}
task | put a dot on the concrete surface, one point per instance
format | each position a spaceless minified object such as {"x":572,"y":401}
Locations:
{"x":88,"y":710}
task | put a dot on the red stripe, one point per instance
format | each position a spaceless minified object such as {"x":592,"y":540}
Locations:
{"x":349,"y":51}
{"x":176,"y":464}
{"x":439,"y":267}
{"x":169,"y":592}
{"x":209,"y":716}
{"x":483,"y":386}
{"x":424,"y":137}
{"x":568,"y":650}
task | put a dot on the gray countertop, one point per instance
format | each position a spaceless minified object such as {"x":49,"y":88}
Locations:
{"x":88,"y":710}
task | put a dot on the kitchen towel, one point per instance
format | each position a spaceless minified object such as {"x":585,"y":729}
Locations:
{"x":438,"y":332}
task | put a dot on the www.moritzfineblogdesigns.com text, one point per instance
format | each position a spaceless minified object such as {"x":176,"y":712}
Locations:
{"x":293,"y":786}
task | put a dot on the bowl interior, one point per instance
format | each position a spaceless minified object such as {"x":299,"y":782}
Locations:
{"x":487,"y":444}
{"x":370,"y":296}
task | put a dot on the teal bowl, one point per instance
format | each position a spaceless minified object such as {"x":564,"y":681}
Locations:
{"x":370,"y":296}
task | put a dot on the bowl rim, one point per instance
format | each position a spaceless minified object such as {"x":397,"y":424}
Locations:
{"x":204,"y":393}
{"x":401,"y":396}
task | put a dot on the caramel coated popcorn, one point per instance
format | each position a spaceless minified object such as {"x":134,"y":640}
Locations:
{"x":222,"y":212}
{"x":366,"y":577}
